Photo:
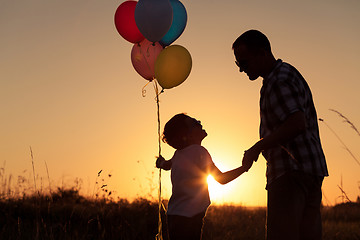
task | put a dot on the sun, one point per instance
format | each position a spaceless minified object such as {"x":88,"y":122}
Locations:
{"x":218,"y":193}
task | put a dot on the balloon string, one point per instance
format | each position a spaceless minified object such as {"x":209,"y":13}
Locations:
{"x":158,"y":111}
{"x":156,"y":87}
{"x":143,"y":90}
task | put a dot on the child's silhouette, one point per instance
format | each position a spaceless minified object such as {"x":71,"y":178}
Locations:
{"x":190,"y":167}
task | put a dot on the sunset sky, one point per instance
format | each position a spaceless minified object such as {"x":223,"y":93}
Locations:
{"x":69,"y":91}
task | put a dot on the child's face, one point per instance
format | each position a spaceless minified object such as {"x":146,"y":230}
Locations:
{"x":196,"y":131}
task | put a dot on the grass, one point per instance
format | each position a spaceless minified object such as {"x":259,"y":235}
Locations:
{"x":234,"y":222}
{"x":67,"y":215}
{"x":71,"y":216}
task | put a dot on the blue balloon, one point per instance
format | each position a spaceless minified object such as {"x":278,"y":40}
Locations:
{"x":178,"y":24}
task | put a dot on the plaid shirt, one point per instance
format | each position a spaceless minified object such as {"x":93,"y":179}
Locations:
{"x":283,"y":93}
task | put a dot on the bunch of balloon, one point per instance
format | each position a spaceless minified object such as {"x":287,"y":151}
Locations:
{"x":152,"y":26}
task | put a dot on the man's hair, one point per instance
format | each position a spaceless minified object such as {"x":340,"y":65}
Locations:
{"x":176,"y":130}
{"x":254,"y":40}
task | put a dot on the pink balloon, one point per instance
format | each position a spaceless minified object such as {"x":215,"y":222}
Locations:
{"x":143,"y":58}
{"x":125,"y":22}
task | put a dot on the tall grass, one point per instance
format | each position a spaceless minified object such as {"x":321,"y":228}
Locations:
{"x":352,"y":125}
{"x":62,"y":213}
{"x":68,"y":215}
{"x":71,"y":216}
{"x":342,"y":221}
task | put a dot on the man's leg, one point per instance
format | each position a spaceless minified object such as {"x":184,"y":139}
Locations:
{"x":311,"y":226}
{"x":286,"y":203}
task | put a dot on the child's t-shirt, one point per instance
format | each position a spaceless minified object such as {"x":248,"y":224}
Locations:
{"x":189,"y":172}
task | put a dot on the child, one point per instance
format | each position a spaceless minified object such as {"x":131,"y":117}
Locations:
{"x":190,"y":167}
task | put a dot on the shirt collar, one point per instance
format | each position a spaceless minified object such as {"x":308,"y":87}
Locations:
{"x":273,"y":71}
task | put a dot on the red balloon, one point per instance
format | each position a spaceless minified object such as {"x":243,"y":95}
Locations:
{"x":125,"y":22}
{"x":143,"y":58}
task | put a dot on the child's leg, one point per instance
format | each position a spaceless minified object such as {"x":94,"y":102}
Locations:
{"x":181,"y":227}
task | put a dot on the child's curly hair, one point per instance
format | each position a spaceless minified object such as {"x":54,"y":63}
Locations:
{"x":175,"y":131}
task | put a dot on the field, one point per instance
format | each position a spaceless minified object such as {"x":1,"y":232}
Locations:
{"x":67,"y":215}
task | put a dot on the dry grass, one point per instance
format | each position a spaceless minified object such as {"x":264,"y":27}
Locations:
{"x":342,"y":222}
{"x":67,"y":215}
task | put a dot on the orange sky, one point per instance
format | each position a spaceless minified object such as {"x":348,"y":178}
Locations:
{"x":69,"y":91}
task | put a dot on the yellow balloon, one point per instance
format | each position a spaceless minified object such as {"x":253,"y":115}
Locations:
{"x":173,"y":66}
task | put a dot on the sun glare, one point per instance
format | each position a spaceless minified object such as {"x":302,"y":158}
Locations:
{"x":218,"y":192}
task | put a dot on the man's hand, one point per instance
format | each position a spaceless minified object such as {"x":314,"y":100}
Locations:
{"x":250,"y":156}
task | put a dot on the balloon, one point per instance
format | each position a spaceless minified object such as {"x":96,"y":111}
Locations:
{"x":125,"y":22}
{"x":143,"y":57}
{"x":153,"y":18}
{"x":173,"y":66}
{"x":178,"y":23}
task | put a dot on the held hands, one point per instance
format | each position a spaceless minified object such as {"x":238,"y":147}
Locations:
{"x":250,"y":156}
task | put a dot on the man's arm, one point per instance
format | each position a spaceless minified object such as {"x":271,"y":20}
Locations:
{"x":291,"y":127}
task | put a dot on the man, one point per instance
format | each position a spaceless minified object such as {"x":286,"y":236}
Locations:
{"x":289,"y":141}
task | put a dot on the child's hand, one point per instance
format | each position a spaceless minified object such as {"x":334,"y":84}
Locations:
{"x":160,"y":162}
{"x":163,"y":164}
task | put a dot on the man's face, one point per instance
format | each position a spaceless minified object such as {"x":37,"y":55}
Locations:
{"x":247,"y":62}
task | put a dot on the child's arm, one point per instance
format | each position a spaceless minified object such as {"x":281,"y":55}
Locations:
{"x":228,"y":176}
{"x":163,"y":164}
